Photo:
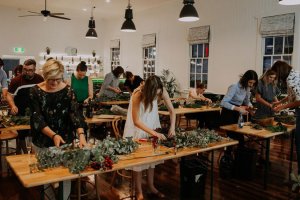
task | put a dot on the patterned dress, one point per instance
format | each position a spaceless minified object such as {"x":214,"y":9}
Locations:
{"x":57,"y":110}
{"x":150,"y":119}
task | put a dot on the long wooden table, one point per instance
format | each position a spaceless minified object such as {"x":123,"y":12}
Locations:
{"x":143,"y":155}
{"x":16,"y":128}
{"x":103,"y":118}
{"x":190,"y":110}
{"x":110,"y":103}
{"x":263,"y":134}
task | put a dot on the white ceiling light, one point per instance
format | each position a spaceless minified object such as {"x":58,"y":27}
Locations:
{"x":289,"y":2}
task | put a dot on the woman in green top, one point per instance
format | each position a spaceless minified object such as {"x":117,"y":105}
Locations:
{"x":82,"y":84}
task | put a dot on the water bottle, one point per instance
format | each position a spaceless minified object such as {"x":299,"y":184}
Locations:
{"x":89,"y":109}
{"x":241,"y":121}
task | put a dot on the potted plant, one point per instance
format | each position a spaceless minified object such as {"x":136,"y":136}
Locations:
{"x":94,"y":53}
{"x":169,"y":82}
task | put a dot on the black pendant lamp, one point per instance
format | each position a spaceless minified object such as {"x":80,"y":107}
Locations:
{"x":91,"y":33}
{"x":188,"y":12}
{"x":128,"y":25}
{"x":289,"y":2}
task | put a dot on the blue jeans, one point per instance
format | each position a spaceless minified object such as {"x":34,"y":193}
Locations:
{"x":297,"y":137}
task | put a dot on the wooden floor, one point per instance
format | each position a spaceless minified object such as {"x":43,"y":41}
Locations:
{"x":167,"y":180}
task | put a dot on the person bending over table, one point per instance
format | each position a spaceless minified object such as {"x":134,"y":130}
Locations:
{"x":266,"y":95}
{"x":110,"y":86}
{"x":132,"y":82}
{"x":142,"y":120}
{"x":237,"y":101}
{"x":205,"y":119}
{"x":287,"y":75}
{"x":54,"y":114}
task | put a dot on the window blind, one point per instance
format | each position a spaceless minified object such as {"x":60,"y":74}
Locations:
{"x":149,"y":40}
{"x":199,"y":35}
{"x":277,"y":25}
{"x":115,"y":43}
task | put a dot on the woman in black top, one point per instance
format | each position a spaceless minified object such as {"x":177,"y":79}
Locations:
{"x":132,"y":81}
{"x":54,"y":109}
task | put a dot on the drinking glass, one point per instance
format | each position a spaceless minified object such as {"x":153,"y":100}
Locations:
{"x":155,"y":144}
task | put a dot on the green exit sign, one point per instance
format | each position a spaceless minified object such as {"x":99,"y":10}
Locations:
{"x":19,"y":50}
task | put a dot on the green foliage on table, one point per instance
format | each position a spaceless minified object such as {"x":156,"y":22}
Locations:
{"x":193,"y":105}
{"x":277,"y":128}
{"x":286,"y":119}
{"x":164,"y":107}
{"x":119,"y":97}
{"x":195,"y":138}
{"x":104,"y":111}
{"x":77,"y":159}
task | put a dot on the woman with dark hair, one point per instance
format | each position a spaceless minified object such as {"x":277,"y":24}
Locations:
{"x":18,"y":70}
{"x":82,"y":84}
{"x":110,"y":86}
{"x":266,"y":94}
{"x":132,"y":81}
{"x":287,"y":75}
{"x":142,"y":120}
{"x":237,"y":101}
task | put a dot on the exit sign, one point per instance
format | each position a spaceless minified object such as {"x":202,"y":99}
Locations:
{"x":19,"y":50}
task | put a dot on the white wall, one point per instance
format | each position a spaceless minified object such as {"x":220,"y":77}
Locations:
{"x":35,"y":35}
{"x":235,"y":44}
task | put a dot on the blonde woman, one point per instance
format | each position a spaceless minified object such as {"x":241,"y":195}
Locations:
{"x":266,"y":94}
{"x":54,"y":113}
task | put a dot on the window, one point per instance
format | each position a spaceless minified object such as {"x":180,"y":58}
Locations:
{"x":149,"y":55}
{"x":199,"y":54}
{"x":277,"y":48}
{"x":114,"y":57}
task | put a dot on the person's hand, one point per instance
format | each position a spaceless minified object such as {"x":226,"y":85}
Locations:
{"x":278,"y":108}
{"x":57,"y":139}
{"x":82,"y":141}
{"x":243,"y":110}
{"x":160,"y":136}
{"x":14,"y":110}
{"x":208,"y":100}
{"x":276,"y":103}
{"x":85,"y":102}
{"x":117,"y":90}
{"x":171,"y":133}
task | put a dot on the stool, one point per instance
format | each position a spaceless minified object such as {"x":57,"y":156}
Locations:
{"x":6,"y":136}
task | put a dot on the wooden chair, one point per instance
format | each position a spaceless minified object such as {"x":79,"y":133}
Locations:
{"x":115,"y":126}
{"x":6,"y":136}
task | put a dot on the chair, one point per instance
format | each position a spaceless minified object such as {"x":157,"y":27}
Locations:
{"x":115,"y":126}
{"x":6,"y":136}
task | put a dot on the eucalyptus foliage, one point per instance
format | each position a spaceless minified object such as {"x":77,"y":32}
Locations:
{"x":77,"y":159}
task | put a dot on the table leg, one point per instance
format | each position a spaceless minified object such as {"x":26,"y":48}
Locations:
{"x":61,"y":190}
{"x":97,"y":185}
{"x":212,"y":175}
{"x":266,"y":173}
{"x":291,"y":153}
{"x":79,"y":188}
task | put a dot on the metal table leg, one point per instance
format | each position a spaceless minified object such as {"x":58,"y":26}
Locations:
{"x":61,"y":190}
{"x":267,"y":163}
{"x":212,"y":175}
{"x":291,"y":153}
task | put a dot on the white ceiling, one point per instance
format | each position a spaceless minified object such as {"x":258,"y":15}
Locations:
{"x":114,"y":8}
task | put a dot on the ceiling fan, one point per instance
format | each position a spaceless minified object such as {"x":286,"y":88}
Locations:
{"x":46,"y":13}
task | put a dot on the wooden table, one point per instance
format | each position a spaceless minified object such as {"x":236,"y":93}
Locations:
{"x":143,"y":155}
{"x":110,"y":103}
{"x":16,"y":128}
{"x":263,"y":134}
{"x":190,"y":110}
{"x":103,"y":118}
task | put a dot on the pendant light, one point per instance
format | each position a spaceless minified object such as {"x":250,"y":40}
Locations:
{"x":128,"y":25}
{"x":289,"y":2}
{"x":91,"y":34}
{"x":188,"y":12}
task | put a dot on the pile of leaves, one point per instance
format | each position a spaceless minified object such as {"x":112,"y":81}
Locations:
{"x":119,"y":97}
{"x":104,"y":111}
{"x":12,"y":120}
{"x":286,"y":119}
{"x":100,"y":157}
{"x":277,"y":128}
{"x":194,"y":138}
{"x":164,"y":107}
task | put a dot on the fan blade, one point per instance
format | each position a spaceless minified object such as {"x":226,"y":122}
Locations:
{"x":57,"y":13}
{"x":59,"y":17}
{"x":34,"y":12}
{"x":28,"y":15}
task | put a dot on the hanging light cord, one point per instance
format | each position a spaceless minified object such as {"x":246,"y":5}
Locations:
{"x":92,"y":12}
